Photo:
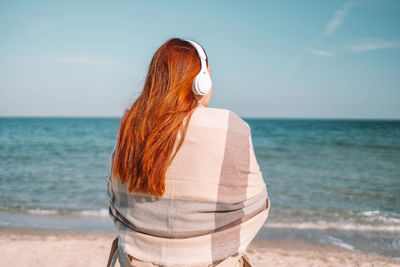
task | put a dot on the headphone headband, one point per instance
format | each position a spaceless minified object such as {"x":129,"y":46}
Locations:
{"x":200,"y":50}
{"x":202,"y":55}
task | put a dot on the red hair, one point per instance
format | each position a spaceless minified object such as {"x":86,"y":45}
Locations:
{"x":150,"y":126}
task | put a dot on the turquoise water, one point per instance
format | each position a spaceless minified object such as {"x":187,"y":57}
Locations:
{"x":330,"y":181}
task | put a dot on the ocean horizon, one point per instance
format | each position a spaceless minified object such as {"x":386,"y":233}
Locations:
{"x":244,"y":117}
{"x":331,"y":181}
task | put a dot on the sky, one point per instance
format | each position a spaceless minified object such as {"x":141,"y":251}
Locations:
{"x":272,"y":59}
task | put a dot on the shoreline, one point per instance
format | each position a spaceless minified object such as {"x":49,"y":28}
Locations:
{"x":48,"y":247}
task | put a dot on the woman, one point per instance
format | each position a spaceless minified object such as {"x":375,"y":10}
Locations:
{"x":184,"y":184}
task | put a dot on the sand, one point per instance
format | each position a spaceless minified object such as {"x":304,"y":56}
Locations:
{"x":34,"y":247}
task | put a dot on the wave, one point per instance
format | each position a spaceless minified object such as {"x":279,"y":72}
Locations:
{"x":338,"y":242}
{"x":103,"y":213}
{"x":332,"y":226}
{"x":374,"y":221}
{"x":42,"y":212}
{"x":94,"y":213}
{"x":379,"y":216}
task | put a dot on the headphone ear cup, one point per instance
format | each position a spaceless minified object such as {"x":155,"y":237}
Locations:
{"x":202,"y":84}
{"x":194,"y":86}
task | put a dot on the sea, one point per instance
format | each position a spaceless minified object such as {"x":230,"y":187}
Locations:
{"x":330,"y":181}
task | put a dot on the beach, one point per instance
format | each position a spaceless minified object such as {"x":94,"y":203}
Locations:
{"x":333,"y":186}
{"x":42,"y":247}
{"x":271,"y":126}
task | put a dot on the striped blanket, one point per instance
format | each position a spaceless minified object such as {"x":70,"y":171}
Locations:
{"x":215,"y":198}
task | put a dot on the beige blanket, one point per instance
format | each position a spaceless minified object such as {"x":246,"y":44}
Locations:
{"x":214,"y":203}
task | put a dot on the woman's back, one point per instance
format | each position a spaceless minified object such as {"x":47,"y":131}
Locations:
{"x":214,"y":203}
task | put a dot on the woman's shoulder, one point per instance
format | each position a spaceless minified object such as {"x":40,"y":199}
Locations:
{"x":219,"y":118}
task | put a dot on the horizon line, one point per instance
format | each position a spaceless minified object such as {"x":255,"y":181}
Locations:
{"x":244,"y":117}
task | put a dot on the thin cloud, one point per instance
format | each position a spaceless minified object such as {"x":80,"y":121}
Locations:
{"x":317,"y":52}
{"x":82,"y":60}
{"x":338,"y":18}
{"x":373,"y":45}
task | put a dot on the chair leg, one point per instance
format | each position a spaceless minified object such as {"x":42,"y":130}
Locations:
{"x":112,"y":259}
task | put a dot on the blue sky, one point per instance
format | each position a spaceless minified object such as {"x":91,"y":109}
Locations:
{"x":296,"y":59}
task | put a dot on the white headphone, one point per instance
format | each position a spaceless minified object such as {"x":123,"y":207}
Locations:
{"x":202,"y":82}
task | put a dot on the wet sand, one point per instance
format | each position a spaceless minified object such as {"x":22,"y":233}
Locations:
{"x":37,"y":247}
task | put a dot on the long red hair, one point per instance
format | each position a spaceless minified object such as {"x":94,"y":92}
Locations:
{"x":149,"y":128}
